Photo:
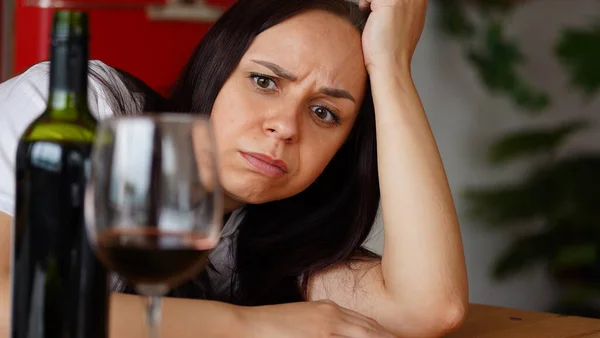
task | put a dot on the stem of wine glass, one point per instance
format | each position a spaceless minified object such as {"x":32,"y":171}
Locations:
{"x":153,"y":312}
{"x":153,"y":295}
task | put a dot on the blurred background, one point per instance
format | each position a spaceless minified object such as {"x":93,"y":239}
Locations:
{"x":151,"y":39}
{"x":511,"y":91}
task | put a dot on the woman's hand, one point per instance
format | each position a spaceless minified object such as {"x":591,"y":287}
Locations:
{"x":392,"y":32}
{"x":309,"y":320}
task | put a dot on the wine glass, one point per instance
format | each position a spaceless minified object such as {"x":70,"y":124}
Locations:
{"x":153,"y":204}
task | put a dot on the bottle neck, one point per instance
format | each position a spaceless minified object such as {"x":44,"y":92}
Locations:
{"x":68,"y":79}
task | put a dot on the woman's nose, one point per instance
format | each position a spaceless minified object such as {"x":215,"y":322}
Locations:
{"x":283,"y":125}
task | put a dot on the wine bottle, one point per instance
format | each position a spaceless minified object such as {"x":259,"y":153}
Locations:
{"x":59,"y":287}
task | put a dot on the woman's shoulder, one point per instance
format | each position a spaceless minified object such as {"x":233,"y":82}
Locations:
{"x":104,"y":83}
{"x":23,"y":99}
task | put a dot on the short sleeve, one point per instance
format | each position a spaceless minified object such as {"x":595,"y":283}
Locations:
{"x":22,"y":100}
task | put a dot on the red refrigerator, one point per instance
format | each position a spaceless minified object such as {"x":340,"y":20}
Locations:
{"x":151,"y":39}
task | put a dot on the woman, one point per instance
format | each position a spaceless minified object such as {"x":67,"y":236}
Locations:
{"x":313,"y":120}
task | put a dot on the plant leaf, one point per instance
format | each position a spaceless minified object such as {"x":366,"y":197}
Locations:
{"x":497,"y":62}
{"x":580,"y":293}
{"x":524,"y":253}
{"x":566,"y":189}
{"x":503,"y":205}
{"x":532,"y":141}
{"x":453,"y":19}
{"x":579,"y":51}
{"x":578,"y":255}
{"x":579,"y":308}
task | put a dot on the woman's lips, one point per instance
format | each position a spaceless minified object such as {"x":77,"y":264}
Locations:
{"x":265,"y":164}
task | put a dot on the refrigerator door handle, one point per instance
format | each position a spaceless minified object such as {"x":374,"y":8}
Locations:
{"x":86,"y":4}
{"x":172,"y":10}
{"x":184,"y":10}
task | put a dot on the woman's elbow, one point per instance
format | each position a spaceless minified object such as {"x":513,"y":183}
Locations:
{"x":446,"y":318}
{"x":432,"y":321}
{"x":449,"y":317}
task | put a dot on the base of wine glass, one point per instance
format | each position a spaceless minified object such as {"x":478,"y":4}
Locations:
{"x":152,"y":290}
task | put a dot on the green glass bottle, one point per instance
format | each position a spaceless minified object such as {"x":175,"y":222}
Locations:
{"x":59,"y":288}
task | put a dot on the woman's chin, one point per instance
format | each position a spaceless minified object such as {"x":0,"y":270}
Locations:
{"x":231,"y":203}
{"x":245,"y":189}
{"x":235,"y":201}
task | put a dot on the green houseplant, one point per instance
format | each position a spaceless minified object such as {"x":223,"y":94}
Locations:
{"x":556,"y":206}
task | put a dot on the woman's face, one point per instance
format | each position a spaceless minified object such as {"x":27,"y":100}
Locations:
{"x":288,"y":107}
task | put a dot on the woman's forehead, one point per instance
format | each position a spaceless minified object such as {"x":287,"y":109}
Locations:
{"x":313,"y":40}
{"x":313,"y":25}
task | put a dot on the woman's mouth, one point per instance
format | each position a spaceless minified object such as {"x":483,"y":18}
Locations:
{"x":265,"y":164}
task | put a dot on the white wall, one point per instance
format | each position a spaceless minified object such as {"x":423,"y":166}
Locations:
{"x":465,"y":118}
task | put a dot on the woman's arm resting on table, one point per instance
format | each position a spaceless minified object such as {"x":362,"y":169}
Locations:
{"x":181,"y":318}
{"x":419,"y":289}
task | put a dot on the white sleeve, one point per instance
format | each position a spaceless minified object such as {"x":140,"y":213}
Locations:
{"x":22,"y":100}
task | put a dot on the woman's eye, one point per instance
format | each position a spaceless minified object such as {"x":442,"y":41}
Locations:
{"x":325,"y":114}
{"x":263,"y":82}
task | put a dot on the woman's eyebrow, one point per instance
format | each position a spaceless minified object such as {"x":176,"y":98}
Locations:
{"x":278,"y":70}
{"x":285,"y":74}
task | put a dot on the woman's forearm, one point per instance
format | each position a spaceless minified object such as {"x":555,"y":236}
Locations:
{"x":423,"y":262}
{"x":181,"y":318}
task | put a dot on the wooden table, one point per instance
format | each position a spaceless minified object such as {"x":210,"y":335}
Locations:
{"x":497,"y":322}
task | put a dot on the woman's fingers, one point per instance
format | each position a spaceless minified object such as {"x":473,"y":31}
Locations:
{"x":359,"y":318}
{"x":353,"y":330}
{"x":365,"y":326}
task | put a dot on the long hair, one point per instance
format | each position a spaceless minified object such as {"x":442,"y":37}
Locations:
{"x":281,"y":244}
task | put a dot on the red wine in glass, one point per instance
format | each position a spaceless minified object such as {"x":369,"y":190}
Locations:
{"x":148,"y":256}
